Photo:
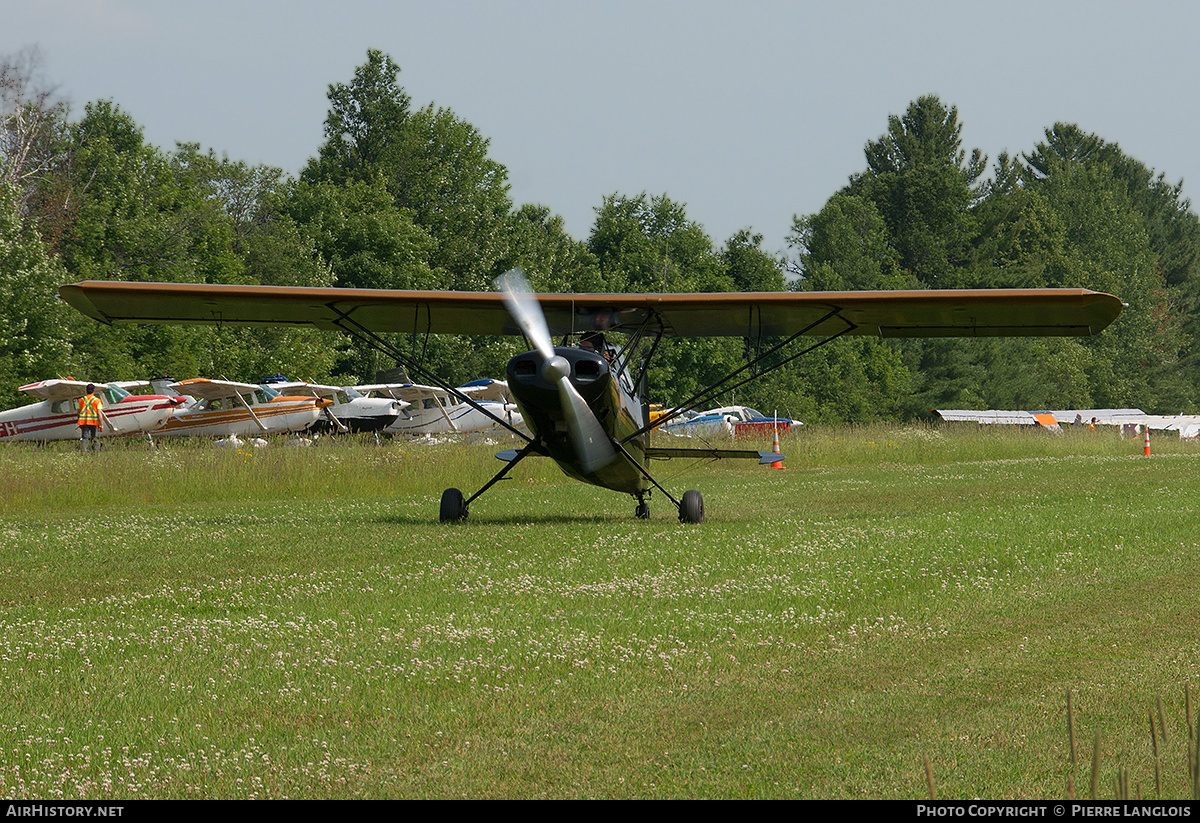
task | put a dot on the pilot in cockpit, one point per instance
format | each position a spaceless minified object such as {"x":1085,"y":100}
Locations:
{"x":595,"y":342}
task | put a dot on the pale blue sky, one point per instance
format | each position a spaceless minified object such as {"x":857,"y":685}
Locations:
{"x":747,"y":112}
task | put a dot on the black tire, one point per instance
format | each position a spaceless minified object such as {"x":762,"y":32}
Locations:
{"x":642,"y":512}
{"x":691,"y":509}
{"x":454,"y":508}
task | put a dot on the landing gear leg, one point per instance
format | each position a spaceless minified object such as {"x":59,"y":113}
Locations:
{"x":642,"y":512}
{"x":454,"y":506}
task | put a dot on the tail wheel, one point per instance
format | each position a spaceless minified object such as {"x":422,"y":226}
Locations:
{"x":691,"y":508}
{"x":454,"y":507}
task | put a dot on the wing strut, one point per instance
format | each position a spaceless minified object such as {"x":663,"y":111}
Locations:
{"x":704,"y":394}
{"x":246,"y":406}
{"x":360,"y":332}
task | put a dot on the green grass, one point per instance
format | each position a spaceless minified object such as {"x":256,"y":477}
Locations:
{"x":294,"y":622}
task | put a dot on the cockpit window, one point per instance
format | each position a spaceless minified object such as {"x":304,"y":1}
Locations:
{"x":112,"y":394}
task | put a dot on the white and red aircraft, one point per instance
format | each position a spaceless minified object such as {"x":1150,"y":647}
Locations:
{"x":56,"y":416}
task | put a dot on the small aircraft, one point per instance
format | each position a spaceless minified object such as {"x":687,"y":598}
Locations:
{"x":435,"y":410}
{"x":730,"y":421}
{"x":586,"y":406}
{"x":349,"y":410}
{"x":225,"y":408}
{"x":55,"y":417}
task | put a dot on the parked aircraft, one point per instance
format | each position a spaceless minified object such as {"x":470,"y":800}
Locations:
{"x":436,"y":410}
{"x":586,"y":410}
{"x":730,"y":421}
{"x":349,"y":410}
{"x":56,"y":416}
{"x":1127,"y":421}
{"x":225,"y":408}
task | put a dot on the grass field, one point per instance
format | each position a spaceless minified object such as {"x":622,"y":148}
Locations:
{"x":191,"y":622}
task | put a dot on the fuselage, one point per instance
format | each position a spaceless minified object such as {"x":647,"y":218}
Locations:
{"x":57,"y":419}
{"x":221,"y":417}
{"x":433,"y":410}
{"x":609,"y":394}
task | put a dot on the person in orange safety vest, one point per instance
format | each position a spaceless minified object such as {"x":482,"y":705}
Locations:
{"x":91,"y":418}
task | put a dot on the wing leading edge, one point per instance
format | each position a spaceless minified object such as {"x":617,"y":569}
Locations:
{"x":934,"y":313}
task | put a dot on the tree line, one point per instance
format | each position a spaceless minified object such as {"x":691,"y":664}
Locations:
{"x":403,"y":197}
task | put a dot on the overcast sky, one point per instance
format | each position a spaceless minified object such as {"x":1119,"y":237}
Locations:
{"x":747,"y":112}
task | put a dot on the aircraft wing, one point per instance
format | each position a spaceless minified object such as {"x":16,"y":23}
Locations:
{"x":205,"y":389}
{"x":301,"y":389}
{"x":408,"y":392}
{"x":55,"y":390}
{"x":487,"y":389}
{"x":940,"y":313}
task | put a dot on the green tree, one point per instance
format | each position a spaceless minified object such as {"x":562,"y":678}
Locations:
{"x":457,"y":193}
{"x":138,"y":215}
{"x":1172,"y":233}
{"x":434,"y":165}
{"x":1023,"y":241}
{"x":366,"y":241}
{"x":846,"y":246}
{"x":748,"y":266}
{"x":649,"y":245}
{"x":33,"y":321}
{"x":365,"y":125}
{"x":141,"y":215}
{"x":551,"y":259}
{"x":1137,"y":358}
{"x":923,"y":185}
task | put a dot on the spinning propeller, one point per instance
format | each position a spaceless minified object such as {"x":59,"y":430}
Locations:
{"x":587,"y":436}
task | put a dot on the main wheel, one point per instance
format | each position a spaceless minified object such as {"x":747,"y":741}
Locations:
{"x":691,"y":508}
{"x":454,"y":508}
{"x":642,"y":512}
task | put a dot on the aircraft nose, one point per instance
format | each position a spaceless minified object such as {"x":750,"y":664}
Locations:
{"x":555,"y":369}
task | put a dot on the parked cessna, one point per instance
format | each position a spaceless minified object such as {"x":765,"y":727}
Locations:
{"x":730,"y":421}
{"x":349,"y":410}
{"x":223,"y":408}
{"x":436,"y":410}
{"x":55,"y":417}
{"x":586,"y":409}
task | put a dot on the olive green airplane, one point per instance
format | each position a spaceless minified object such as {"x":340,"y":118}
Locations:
{"x":584,"y":400}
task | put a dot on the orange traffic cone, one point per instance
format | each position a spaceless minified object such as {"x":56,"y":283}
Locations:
{"x":778,"y":464}
{"x":1146,"y":448}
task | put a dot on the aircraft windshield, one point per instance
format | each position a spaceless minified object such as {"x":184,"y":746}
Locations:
{"x":113,"y":394}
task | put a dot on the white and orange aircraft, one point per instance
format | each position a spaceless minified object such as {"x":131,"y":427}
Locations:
{"x":223,"y":408}
{"x":56,"y":416}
